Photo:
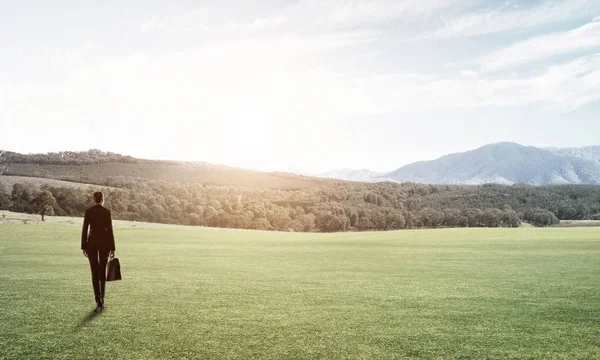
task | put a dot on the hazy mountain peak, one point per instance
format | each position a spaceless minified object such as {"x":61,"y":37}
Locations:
{"x":362,"y":175}
{"x":503,"y":163}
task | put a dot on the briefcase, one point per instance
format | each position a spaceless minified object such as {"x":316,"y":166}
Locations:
{"x":113,"y":270}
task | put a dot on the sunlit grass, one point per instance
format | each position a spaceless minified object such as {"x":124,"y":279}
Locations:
{"x":200,"y":293}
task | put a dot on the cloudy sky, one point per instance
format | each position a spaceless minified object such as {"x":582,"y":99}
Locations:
{"x":300,"y":85}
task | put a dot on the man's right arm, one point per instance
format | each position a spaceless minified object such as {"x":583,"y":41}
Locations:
{"x":84,"y":231}
{"x":111,"y":235}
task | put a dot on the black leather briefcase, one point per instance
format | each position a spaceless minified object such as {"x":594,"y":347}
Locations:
{"x":113,"y":270}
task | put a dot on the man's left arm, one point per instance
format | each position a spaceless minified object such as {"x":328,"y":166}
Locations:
{"x":84,"y":231}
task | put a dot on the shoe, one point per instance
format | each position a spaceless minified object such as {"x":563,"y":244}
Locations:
{"x":98,"y":309}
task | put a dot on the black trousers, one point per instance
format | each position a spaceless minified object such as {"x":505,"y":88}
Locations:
{"x":98,"y":260}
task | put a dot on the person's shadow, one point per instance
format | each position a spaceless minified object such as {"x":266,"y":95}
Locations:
{"x":89,"y":317}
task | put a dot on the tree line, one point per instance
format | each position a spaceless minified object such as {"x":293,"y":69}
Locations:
{"x":356,"y":207}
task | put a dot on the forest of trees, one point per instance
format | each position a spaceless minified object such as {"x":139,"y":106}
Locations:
{"x":311,"y":205}
{"x":355,"y":207}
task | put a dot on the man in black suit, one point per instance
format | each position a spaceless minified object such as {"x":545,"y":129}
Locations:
{"x":98,"y":245}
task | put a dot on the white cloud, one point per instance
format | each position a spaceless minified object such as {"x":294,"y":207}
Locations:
{"x":469,"y":74}
{"x":361,"y":12}
{"x":176,"y":20}
{"x":154,"y":23}
{"x":560,"y":87}
{"x":257,"y":25}
{"x":307,"y":16}
{"x":516,"y":19}
{"x":585,"y":37}
{"x":269,"y":23}
{"x":220,"y":86}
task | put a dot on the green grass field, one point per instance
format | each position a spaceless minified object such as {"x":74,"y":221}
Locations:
{"x":204,"y":293}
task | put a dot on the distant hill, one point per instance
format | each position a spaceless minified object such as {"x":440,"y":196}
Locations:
{"x":355,"y":175}
{"x":9,"y":181}
{"x":501,"y":163}
{"x":110,"y":169}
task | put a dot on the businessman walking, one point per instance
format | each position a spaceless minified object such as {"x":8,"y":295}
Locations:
{"x":98,"y":245}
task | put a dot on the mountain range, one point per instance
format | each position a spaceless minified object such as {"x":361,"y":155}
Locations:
{"x":501,"y":163}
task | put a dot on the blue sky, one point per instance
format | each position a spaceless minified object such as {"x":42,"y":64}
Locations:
{"x":298,"y":85}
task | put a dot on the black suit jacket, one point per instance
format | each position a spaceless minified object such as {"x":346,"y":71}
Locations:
{"x":100,"y":237}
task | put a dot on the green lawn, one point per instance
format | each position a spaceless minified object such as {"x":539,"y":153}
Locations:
{"x":201,"y":293}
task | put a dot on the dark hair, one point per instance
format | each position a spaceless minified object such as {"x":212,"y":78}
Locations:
{"x":98,"y":197}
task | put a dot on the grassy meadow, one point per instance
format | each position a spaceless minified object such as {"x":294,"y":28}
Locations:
{"x":193,"y":293}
